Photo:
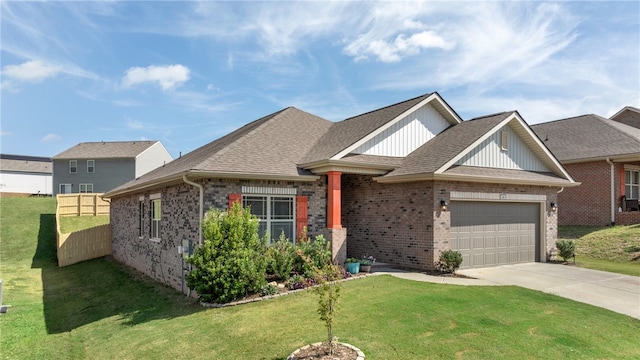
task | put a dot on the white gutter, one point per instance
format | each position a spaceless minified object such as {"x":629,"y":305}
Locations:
{"x":201,"y":207}
{"x":613,"y":196}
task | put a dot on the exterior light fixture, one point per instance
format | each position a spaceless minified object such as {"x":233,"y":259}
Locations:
{"x":443,"y":205}
{"x":554,"y":207}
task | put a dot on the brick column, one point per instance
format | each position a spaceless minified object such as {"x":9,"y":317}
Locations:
{"x":335,"y":233}
{"x":334,"y":198}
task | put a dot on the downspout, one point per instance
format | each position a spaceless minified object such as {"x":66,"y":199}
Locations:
{"x":613,"y":196}
{"x":201,"y":207}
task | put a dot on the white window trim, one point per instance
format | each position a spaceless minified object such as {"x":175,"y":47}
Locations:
{"x":504,"y":140}
{"x":85,"y":185}
{"x":75,"y":162}
{"x":269,"y":221}
{"x":93,"y":162}
{"x":65,"y":185}
{"x":141,"y":217}
{"x":152,"y":220}
{"x":631,"y":170}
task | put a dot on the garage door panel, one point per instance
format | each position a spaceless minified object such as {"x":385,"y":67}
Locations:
{"x":492,"y":233}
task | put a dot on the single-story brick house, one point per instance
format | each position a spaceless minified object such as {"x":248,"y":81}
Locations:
{"x":604,"y":155}
{"x":401,"y":183}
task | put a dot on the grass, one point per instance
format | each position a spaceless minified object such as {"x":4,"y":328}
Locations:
{"x":69,"y":224}
{"x":610,"y":248}
{"x":100,"y":309}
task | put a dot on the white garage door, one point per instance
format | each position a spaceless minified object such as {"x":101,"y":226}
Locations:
{"x":489,"y":233}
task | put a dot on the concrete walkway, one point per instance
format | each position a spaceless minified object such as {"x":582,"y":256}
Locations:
{"x":615,"y":292}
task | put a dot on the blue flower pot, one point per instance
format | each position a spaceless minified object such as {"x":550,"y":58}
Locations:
{"x":352,"y":268}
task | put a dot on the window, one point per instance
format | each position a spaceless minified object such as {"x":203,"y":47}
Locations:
{"x":86,"y":188}
{"x":156,"y":215}
{"x":141,"y":218}
{"x":91,"y":166}
{"x":65,"y":188}
{"x":73,"y":166}
{"x":632,"y":184}
{"x":276,"y":214}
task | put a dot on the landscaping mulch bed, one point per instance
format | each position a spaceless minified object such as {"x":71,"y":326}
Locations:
{"x":320,"y":351}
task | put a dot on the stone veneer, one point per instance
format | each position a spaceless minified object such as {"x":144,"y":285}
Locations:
{"x":402,"y":224}
{"x":180,"y":204}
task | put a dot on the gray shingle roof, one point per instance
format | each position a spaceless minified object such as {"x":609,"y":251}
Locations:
{"x":106,"y":150}
{"x":347,"y":132}
{"x":25,"y":164}
{"x":270,"y":146}
{"x":588,"y":137}
{"x":436,"y":153}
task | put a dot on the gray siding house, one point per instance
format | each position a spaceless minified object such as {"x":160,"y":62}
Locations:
{"x":402,"y":183}
{"x":97,"y":167}
{"x":25,"y":175}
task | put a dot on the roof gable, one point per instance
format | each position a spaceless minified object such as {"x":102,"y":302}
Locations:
{"x":465,"y":144}
{"x":348,"y":135}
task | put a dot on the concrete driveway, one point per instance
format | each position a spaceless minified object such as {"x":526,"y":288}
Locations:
{"x":615,"y":292}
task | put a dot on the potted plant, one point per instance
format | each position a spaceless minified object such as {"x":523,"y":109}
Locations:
{"x":366,"y":262}
{"x":352,"y":265}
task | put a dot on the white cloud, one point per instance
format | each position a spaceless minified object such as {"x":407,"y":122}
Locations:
{"x":5,"y":133}
{"x":31,"y":71}
{"x":168,"y":77}
{"x":50,"y":137}
{"x":402,"y":46}
{"x":134,"y":124}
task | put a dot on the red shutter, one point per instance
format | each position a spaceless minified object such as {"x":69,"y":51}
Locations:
{"x":234,"y":198}
{"x":302,"y":213}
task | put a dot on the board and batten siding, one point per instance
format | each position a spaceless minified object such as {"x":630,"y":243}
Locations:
{"x":408,"y":134}
{"x":518,"y":156}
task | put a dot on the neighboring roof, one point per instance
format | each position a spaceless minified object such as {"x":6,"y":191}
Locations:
{"x":589,"y":138}
{"x":346,"y":133}
{"x":267,"y":148}
{"x":629,"y":115}
{"x":26,"y":164}
{"x":106,"y":150}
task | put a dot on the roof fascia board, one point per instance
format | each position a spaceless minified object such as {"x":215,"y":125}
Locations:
{"x":522,"y":125}
{"x":630,"y":108}
{"x":208,"y":175}
{"x":472,"y":178}
{"x":324,"y":166}
{"x":429,"y":99}
{"x":616,"y":158}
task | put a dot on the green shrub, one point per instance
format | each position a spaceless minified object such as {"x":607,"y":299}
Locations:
{"x":312,"y":255}
{"x":230,"y":262}
{"x":450,"y":261}
{"x":328,"y":293}
{"x":280,"y":258}
{"x":566,"y":249}
{"x":268,"y":289}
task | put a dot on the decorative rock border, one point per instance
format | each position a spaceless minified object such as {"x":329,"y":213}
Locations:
{"x":360,"y":353}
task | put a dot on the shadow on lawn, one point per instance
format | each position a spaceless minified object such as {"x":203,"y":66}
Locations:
{"x":89,"y":291}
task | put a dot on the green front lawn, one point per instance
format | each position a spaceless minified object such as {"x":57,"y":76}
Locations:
{"x":100,"y":309}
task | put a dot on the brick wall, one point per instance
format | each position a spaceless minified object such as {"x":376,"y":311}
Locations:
{"x":590,"y":203}
{"x":402,"y":224}
{"x":180,"y":220}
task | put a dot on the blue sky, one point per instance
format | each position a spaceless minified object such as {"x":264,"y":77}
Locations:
{"x":186,"y":73}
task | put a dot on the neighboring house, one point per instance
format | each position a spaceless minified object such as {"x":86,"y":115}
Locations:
{"x":629,"y":115}
{"x":603,"y":155}
{"x":25,"y":175}
{"x":97,"y":167}
{"x":401,"y":183}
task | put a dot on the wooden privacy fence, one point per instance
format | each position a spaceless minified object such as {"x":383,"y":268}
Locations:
{"x":81,"y":205}
{"x":85,"y":244}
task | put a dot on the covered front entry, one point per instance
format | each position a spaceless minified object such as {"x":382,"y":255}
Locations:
{"x":495,"y":233}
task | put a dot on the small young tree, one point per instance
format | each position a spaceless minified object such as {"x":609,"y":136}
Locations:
{"x":450,"y":261}
{"x":328,"y":293}
{"x":566,"y":249}
{"x":230,"y":261}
